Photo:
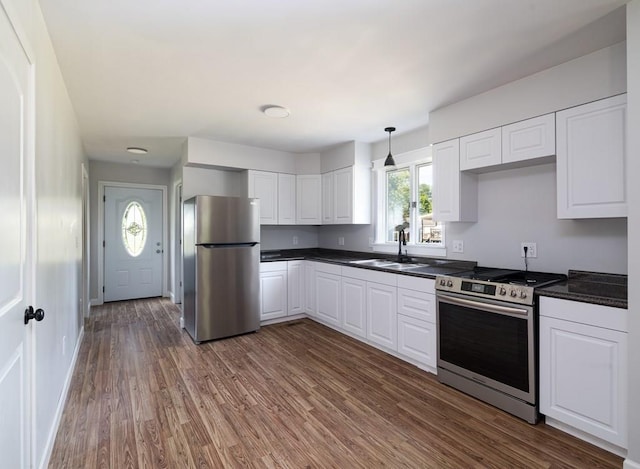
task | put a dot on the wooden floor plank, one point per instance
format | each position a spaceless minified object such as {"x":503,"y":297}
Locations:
{"x":289,"y":396}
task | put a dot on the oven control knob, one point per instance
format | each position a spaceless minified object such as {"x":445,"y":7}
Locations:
{"x":442,"y":282}
{"x":449,"y":283}
{"x":513,"y":293}
{"x":523,"y":294}
{"x":502,"y":291}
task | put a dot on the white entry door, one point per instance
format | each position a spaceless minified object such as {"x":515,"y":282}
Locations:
{"x":133,"y":249}
{"x":16,"y":256}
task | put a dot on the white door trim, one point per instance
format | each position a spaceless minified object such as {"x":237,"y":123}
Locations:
{"x":176,"y":245}
{"x":86,"y":243}
{"x":100,"y":236}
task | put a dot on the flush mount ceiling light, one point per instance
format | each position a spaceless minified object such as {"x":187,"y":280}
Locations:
{"x":137,"y":150}
{"x":390,"y":161}
{"x":276,"y":111}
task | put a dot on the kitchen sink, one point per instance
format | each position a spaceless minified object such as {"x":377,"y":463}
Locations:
{"x":385,"y":263}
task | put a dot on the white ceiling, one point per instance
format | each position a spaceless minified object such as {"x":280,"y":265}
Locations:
{"x":152,"y":72}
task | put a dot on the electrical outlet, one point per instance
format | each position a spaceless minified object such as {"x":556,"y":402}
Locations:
{"x":458,"y":246}
{"x":341,"y":241}
{"x":295,"y":240}
{"x":532,"y":249}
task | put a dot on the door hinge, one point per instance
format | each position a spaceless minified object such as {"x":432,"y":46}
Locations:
{"x":104,"y":198}
{"x":180,"y":283}
{"x":103,"y":243}
{"x":103,"y":289}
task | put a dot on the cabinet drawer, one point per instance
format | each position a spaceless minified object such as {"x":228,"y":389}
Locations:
{"x":427,"y":285}
{"x":584,"y":313}
{"x":273,"y":266}
{"x":418,"y":305}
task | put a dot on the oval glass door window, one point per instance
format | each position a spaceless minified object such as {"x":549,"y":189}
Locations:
{"x":134,"y":229}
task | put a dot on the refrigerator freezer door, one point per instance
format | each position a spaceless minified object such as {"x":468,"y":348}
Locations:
{"x":226,"y":300}
{"x":220,"y":220}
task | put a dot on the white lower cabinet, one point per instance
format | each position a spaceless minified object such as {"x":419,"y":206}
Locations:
{"x":273,"y":290}
{"x":354,"y":306}
{"x":583,"y":369}
{"x":295,"y":287}
{"x":417,"y":333}
{"x":417,"y":340}
{"x":382,"y":324}
{"x":309,"y":296}
{"x":327,"y":281}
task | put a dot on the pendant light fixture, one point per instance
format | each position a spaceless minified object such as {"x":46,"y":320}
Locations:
{"x":389,"y":162}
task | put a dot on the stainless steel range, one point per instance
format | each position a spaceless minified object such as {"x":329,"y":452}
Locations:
{"x":488,"y":336}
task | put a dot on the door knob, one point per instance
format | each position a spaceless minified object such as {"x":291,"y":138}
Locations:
{"x":30,"y":314}
{"x":158,"y":251}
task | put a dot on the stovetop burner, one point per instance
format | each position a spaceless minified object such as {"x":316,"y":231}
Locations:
{"x":515,"y":286}
{"x":510,"y":276}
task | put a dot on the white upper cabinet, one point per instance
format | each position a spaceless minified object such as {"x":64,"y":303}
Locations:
{"x":481,"y":150}
{"x":286,"y":199}
{"x":591,"y":159}
{"x":277,"y":194}
{"x":327,"y":198}
{"x":346,"y":196}
{"x":529,"y":139}
{"x":308,"y":199}
{"x":263,"y":185}
{"x":454,"y":192}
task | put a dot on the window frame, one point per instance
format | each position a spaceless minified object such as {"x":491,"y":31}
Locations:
{"x":411,"y":160}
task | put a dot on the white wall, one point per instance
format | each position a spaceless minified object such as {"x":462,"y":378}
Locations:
{"x":594,"y":76}
{"x":113,"y":172}
{"x":356,"y":237}
{"x":202,"y":151}
{"x":520,"y":205}
{"x":58,"y":280}
{"x":201,"y":181}
{"x":633,"y":148}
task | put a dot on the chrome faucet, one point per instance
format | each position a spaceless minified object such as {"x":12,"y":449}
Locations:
{"x":402,"y":239}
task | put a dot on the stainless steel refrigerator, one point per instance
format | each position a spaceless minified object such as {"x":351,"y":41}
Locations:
{"x":221,"y":262}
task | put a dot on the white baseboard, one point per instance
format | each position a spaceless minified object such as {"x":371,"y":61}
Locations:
{"x":594,"y":440}
{"x":629,"y":464}
{"x":60,"y":408}
{"x":95,"y":302}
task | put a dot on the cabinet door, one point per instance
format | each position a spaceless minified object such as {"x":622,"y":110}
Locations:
{"x":295,"y":287}
{"x":309,"y":302}
{"x":273,"y":295}
{"x":264,"y":186}
{"x":327,"y":198}
{"x":481,"y":150}
{"x":591,"y":160}
{"x":286,"y":199}
{"x":308,"y":199}
{"x":454,"y":193}
{"x":343,"y":195}
{"x":529,"y":139}
{"x":583,"y":378}
{"x":382,"y":320}
{"x":417,"y":304}
{"x":328,"y":298}
{"x":417,"y":340}
{"x":354,"y":306}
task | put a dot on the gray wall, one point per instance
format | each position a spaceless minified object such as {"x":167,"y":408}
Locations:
{"x":281,"y":237}
{"x":112,"y":172}
{"x":633,"y":147}
{"x":520,"y":205}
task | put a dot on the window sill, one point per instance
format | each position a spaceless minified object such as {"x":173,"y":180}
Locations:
{"x":412,"y":249}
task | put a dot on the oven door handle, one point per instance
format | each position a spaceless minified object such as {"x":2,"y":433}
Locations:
{"x":483,"y":306}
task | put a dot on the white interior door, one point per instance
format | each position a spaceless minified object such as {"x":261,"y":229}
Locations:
{"x":133,"y":249}
{"x":16,"y":256}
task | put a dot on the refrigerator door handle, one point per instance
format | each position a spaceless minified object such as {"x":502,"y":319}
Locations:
{"x":227,"y":245}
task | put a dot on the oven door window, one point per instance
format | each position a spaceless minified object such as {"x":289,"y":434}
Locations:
{"x":488,"y":344}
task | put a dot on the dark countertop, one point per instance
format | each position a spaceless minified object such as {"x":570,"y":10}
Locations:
{"x":345,"y":258}
{"x":590,"y":287}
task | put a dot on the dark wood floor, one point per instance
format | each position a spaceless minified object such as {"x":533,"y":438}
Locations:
{"x":292,"y":395}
